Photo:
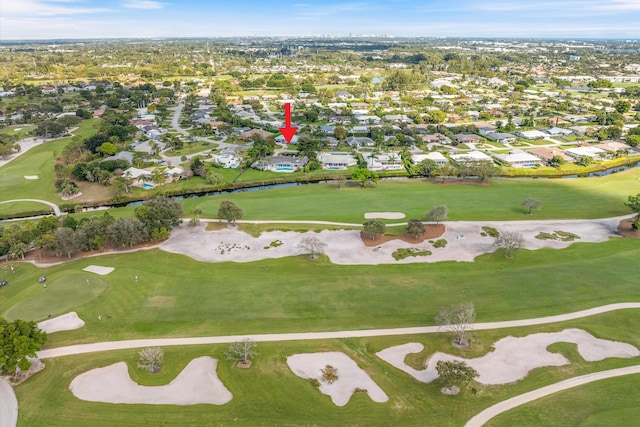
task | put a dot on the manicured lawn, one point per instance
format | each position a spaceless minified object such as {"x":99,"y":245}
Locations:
{"x":177,"y":296}
{"x":499,"y":200}
{"x":270,"y":394}
{"x":196,"y":147}
{"x":610,"y":402}
{"x":13,"y":208}
{"x":19,"y":131}
{"x":37,"y":161}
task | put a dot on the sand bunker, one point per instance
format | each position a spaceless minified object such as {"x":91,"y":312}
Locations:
{"x":384,"y":215}
{"x":513,"y":358}
{"x":66,"y":322}
{"x":464,"y":242}
{"x":350,"y":376}
{"x":198,"y":383}
{"x":31,"y":177}
{"x":103,"y":271}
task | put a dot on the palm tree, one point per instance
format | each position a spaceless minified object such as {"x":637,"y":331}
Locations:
{"x":157,"y":176}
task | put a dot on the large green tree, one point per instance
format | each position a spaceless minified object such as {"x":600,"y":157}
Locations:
{"x":373,"y":228}
{"x":161,"y":212}
{"x":453,"y":373}
{"x":634,"y":203}
{"x":364,"y":176}
{"x":18,"y":340}
{"x":229,"y":211}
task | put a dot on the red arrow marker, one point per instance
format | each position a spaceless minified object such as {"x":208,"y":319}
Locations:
{"x":287,"y":130}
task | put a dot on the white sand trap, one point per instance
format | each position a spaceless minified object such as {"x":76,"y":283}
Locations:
{"x":198,"y":383}
{"x":31,"y":177}
{"x":66,"y":322}
{"x":350,"y":376}
{"x":345,"y":247}
{"x":384,"y":215}
{"x":513,"y":358}
{"x":103,"y":271}
{"x":17,"y":129}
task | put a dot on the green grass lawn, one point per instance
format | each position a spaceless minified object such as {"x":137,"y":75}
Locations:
{"x":499,"y":200}
{"x":37,"y":161}
{"x":610,"y":402}
{"x":19,"y":131}
{"x":270,"y":394}
{"x":177,"y":296}
{"x":196,"y":147}
{"x":14,"y":208}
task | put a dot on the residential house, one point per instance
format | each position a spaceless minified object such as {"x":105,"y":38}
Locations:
{"x":589,"y":151}
{"x":383,"y":161}
{"x":485,"y":128}
{"x":122,"y":155}
{"x":556,"y":131}
{"x":281,"y":163}
{"x":532,"y":134}
{"x":471,"y":156}
{"x":613,"y":147}
{"x":435,"y":138}
{"x":548,"y":153}
{"x":280,"y":139}
{"x":149,"y":147}
{"x":467,"y":137}
{"x":359,"y":141}
{"x":519,"y":159}
{"x":336,"y":161}
{"x":502,"y":137}
{"x":436,"y":156}
{"x":251,"y":133}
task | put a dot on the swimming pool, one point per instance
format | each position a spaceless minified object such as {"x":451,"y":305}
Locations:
{"x":283,"y":169}
{"x":334,"y":168}
{"x":233,"y":165}
{"x":147,"y":186}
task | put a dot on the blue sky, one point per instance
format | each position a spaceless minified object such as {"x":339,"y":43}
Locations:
{"x":46,"y":19}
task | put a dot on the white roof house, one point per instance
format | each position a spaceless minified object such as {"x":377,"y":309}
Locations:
{"x":593,"y":152}
{"x":437,"y":157}
{"x":227,"y":160}
{"x":519,"y":159}
{"x":336,"y":161}
{"x":532,"y":134}
{"x":471,"y":156}
{"x":136,"y":173}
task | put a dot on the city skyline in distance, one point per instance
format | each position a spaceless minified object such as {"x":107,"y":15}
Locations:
{"x":85,"y":19}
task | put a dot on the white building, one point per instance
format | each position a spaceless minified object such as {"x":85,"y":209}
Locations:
{"x":436,"y":156}
{"x":519,"y":159}
{"x":471,"y":156}
{"x":593,"y":152}
{"x":336,"y":161}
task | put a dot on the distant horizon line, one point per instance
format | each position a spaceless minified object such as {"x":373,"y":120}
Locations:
{"x":319,"y":37}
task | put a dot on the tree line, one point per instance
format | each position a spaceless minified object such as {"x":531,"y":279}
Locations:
{"x":65,"y":237}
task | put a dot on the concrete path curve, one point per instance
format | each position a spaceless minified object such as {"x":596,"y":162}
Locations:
{"x":163,"y":342}
{"x":506,"y":405}
{"x":56,"y":208}
{"x":8,"y":405}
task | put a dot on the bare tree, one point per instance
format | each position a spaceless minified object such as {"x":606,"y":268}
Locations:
{"x":151,"y":359}
{"x":457,"y":320}
{"x":241,"y":352}
{"x":509,"y":240}
{"x":437,"y":214}
{"x":530,"y":204}
{"x":312,"y":246}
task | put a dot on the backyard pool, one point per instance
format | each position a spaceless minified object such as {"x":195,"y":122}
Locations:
{"x":147,"y":186}
{"x":283,"y":169}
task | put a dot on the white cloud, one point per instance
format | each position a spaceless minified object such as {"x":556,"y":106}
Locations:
{"x":143,"y":4}
{"x":28,"y":8}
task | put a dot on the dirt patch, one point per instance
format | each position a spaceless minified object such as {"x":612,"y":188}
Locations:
{"x":432,"y":231}
{"x":625,"y":229}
